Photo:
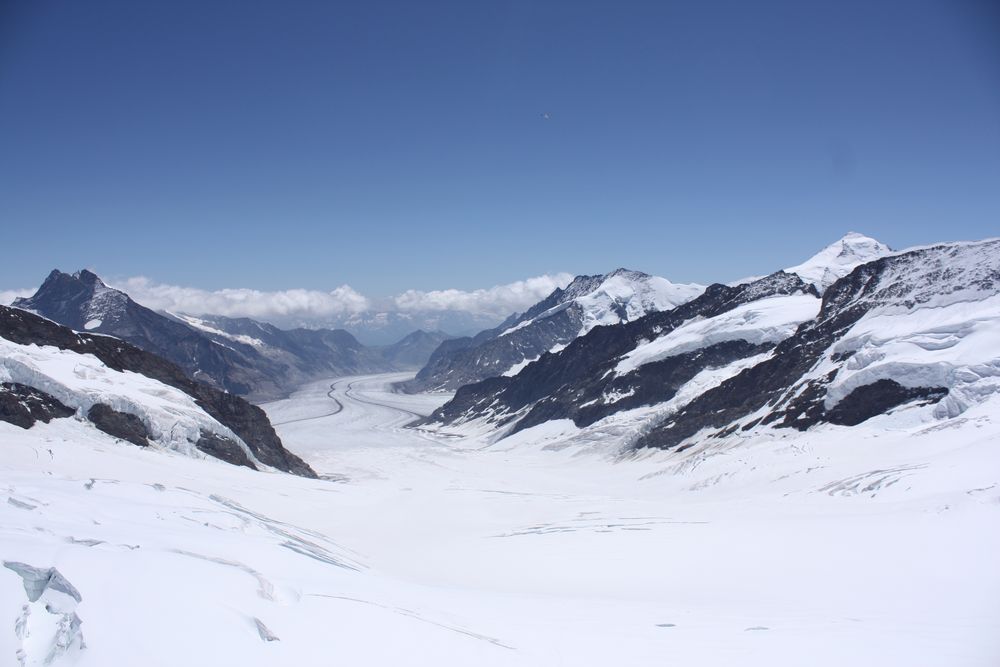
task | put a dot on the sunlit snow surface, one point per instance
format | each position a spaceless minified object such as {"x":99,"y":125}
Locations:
{"x":870,"y":545}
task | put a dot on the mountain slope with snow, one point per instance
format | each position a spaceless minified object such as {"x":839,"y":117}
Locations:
{"x":819,"y":548}
{"x":587,"y":302}
{"x":239,"y":355}
{"x":48,"y":371}
{"x":770,"y":474}
{"x":81,"y":301}
{"x":838,"y":259}
{"x":914,"y":330}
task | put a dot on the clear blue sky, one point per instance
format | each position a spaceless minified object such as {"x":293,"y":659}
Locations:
{"x":404,"y":145}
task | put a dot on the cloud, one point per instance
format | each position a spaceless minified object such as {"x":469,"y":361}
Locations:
{"x":303,"y":305}
{"x":498,"y":301}
{"x":8,"y":296}
{"x":258,"y":304}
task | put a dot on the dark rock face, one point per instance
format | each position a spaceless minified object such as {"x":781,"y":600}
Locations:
{"x":23,"y":406}
{"x":121,"y":425}
{"x":650,"y":384}
{"x":562,"y":385}
{"x":878,"y":398}
{"x":247,"y":421}
{"x":224,"y":449}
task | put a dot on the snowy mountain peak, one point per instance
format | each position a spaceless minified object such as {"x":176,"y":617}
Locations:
{"x":627,"y":273}
{"x":624,"y":295}
{"x":619,"y":296}
{"x":839,"y":258}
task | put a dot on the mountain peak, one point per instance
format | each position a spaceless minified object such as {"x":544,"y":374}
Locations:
{"x":79,"y":300}
{"x":88,"y":277}
{"x":839,"y":258}
{"x":627,"y":273}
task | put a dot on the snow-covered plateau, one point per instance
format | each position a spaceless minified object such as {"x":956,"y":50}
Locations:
{"x":866,"y":545}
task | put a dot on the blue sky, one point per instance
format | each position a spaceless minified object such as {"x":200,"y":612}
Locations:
{"x":405,"y":145}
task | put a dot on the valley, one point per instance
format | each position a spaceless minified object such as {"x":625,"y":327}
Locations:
{"x":793,"y":469}
{"x":427,"y":549}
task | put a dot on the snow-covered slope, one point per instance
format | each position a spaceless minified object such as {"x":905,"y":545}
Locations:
{"x":914,"y":332}
{"x":587,"y":302}
{"x":768,"y":320}
{"x":82,"y":302}
{"x":838,"y":259}
{"x":620,"y":296}
{"x":171,"y":418}
{"x":866,"y":547}
{"x":50,"y":372}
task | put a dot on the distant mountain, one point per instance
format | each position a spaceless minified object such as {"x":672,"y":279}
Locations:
{"x":838,"y":259}
{"x":891,"y":332}
{"x":385,"y":327}
{"x":48,"y":371}
{"x":81,"y":301}
{"x":239,"y":355}
{"x":587,"y":302}
{"x":413,"y":351}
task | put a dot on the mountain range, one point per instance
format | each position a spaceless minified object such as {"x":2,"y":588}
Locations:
{"x":239,"y":355}
{"x":856,"y":332}
{"x":589,"y":301}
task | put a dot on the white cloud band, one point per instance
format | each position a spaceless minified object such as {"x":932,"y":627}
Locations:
{"x":304,"y":305}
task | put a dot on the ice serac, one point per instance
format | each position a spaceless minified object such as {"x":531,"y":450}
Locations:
{"x":49,"y":371}
{"x":587,"y":302}
{"x":838,"y":259}
{"x":48,"y":627}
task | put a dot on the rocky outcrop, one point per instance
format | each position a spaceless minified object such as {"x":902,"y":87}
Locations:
{"x":24,"y":406}
{"x":225,"y":449}
{"x":121,"y":425}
